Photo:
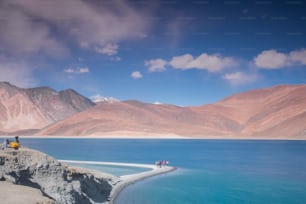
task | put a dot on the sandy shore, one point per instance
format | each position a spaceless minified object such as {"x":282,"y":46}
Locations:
{"x":126,"y":180}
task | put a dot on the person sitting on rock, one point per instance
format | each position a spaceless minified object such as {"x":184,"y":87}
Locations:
{"x":17,"y":139}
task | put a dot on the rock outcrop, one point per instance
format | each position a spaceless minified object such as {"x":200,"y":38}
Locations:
{"x":55,"y":180}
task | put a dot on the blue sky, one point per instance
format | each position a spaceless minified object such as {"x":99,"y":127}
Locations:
{"x":179,"y":52}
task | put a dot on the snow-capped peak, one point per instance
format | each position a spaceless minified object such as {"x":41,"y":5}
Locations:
{"x":102,"y":99}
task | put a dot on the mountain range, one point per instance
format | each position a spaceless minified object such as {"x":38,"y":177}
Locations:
{"x":28,"y":110}
{"x":277,"y":112}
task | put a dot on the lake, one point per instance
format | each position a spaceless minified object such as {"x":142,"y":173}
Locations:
{"x":209,"y":171}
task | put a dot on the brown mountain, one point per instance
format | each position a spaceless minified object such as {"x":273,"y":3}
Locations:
{"x":130,"y":117}
{"x":26,"y":110}
{"x":277,"y":112}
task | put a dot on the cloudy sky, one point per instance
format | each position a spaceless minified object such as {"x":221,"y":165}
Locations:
{"x":168,"y":51}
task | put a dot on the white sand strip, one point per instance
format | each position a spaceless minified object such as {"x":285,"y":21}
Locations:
{"x":132,"y":178}
{"x":125,"y":180}
{"x":148,"y":166}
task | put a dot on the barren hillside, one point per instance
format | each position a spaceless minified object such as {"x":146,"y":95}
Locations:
{"x":35,"y":108}
{"x":274,"y":112}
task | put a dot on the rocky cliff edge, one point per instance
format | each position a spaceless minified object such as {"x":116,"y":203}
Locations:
{"x":57,"y":181}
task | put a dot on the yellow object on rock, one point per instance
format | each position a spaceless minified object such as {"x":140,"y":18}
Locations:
{"x":15,"y":145}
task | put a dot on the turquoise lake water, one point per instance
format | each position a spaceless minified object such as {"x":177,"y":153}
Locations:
{"x":209,"y":171}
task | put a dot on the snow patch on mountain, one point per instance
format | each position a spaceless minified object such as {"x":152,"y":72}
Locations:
{"x":102,"y":99}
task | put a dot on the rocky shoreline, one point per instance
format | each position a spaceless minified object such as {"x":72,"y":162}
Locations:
{"x":49,"y":181}
{"x":60,"y":183}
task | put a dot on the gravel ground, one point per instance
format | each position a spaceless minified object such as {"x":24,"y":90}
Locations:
{"x":17,"y":194}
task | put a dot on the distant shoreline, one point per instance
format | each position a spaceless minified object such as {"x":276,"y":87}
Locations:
{"x":167,"y":137}
{"x":97,"y":137}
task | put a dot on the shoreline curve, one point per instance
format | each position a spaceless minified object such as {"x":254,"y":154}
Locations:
{"x":126,"y":180}
{"x":133,"y":178}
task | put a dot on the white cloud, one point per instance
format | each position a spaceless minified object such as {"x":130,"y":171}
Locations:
{"x":181,"y":62}
{"x":84,"y":70}
{"x":238,"y":78}
{"x":271,"y":59}
{"x":28,"y":26}
{"x":136,"y":75}
{"x":298,"y":56}
{"x":77,"y":70}
{"x":108,"y":49}
{"x":115,"y":59}
{"x":69,"y":70}
{"x":20,"y":36}
{"x":33,"y":31}
{"x":156,"y":65}
{"x":211,"y":63}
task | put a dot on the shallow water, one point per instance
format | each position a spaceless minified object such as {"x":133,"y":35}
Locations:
{"x":209,"y":171}
{"x":112,"y":169}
